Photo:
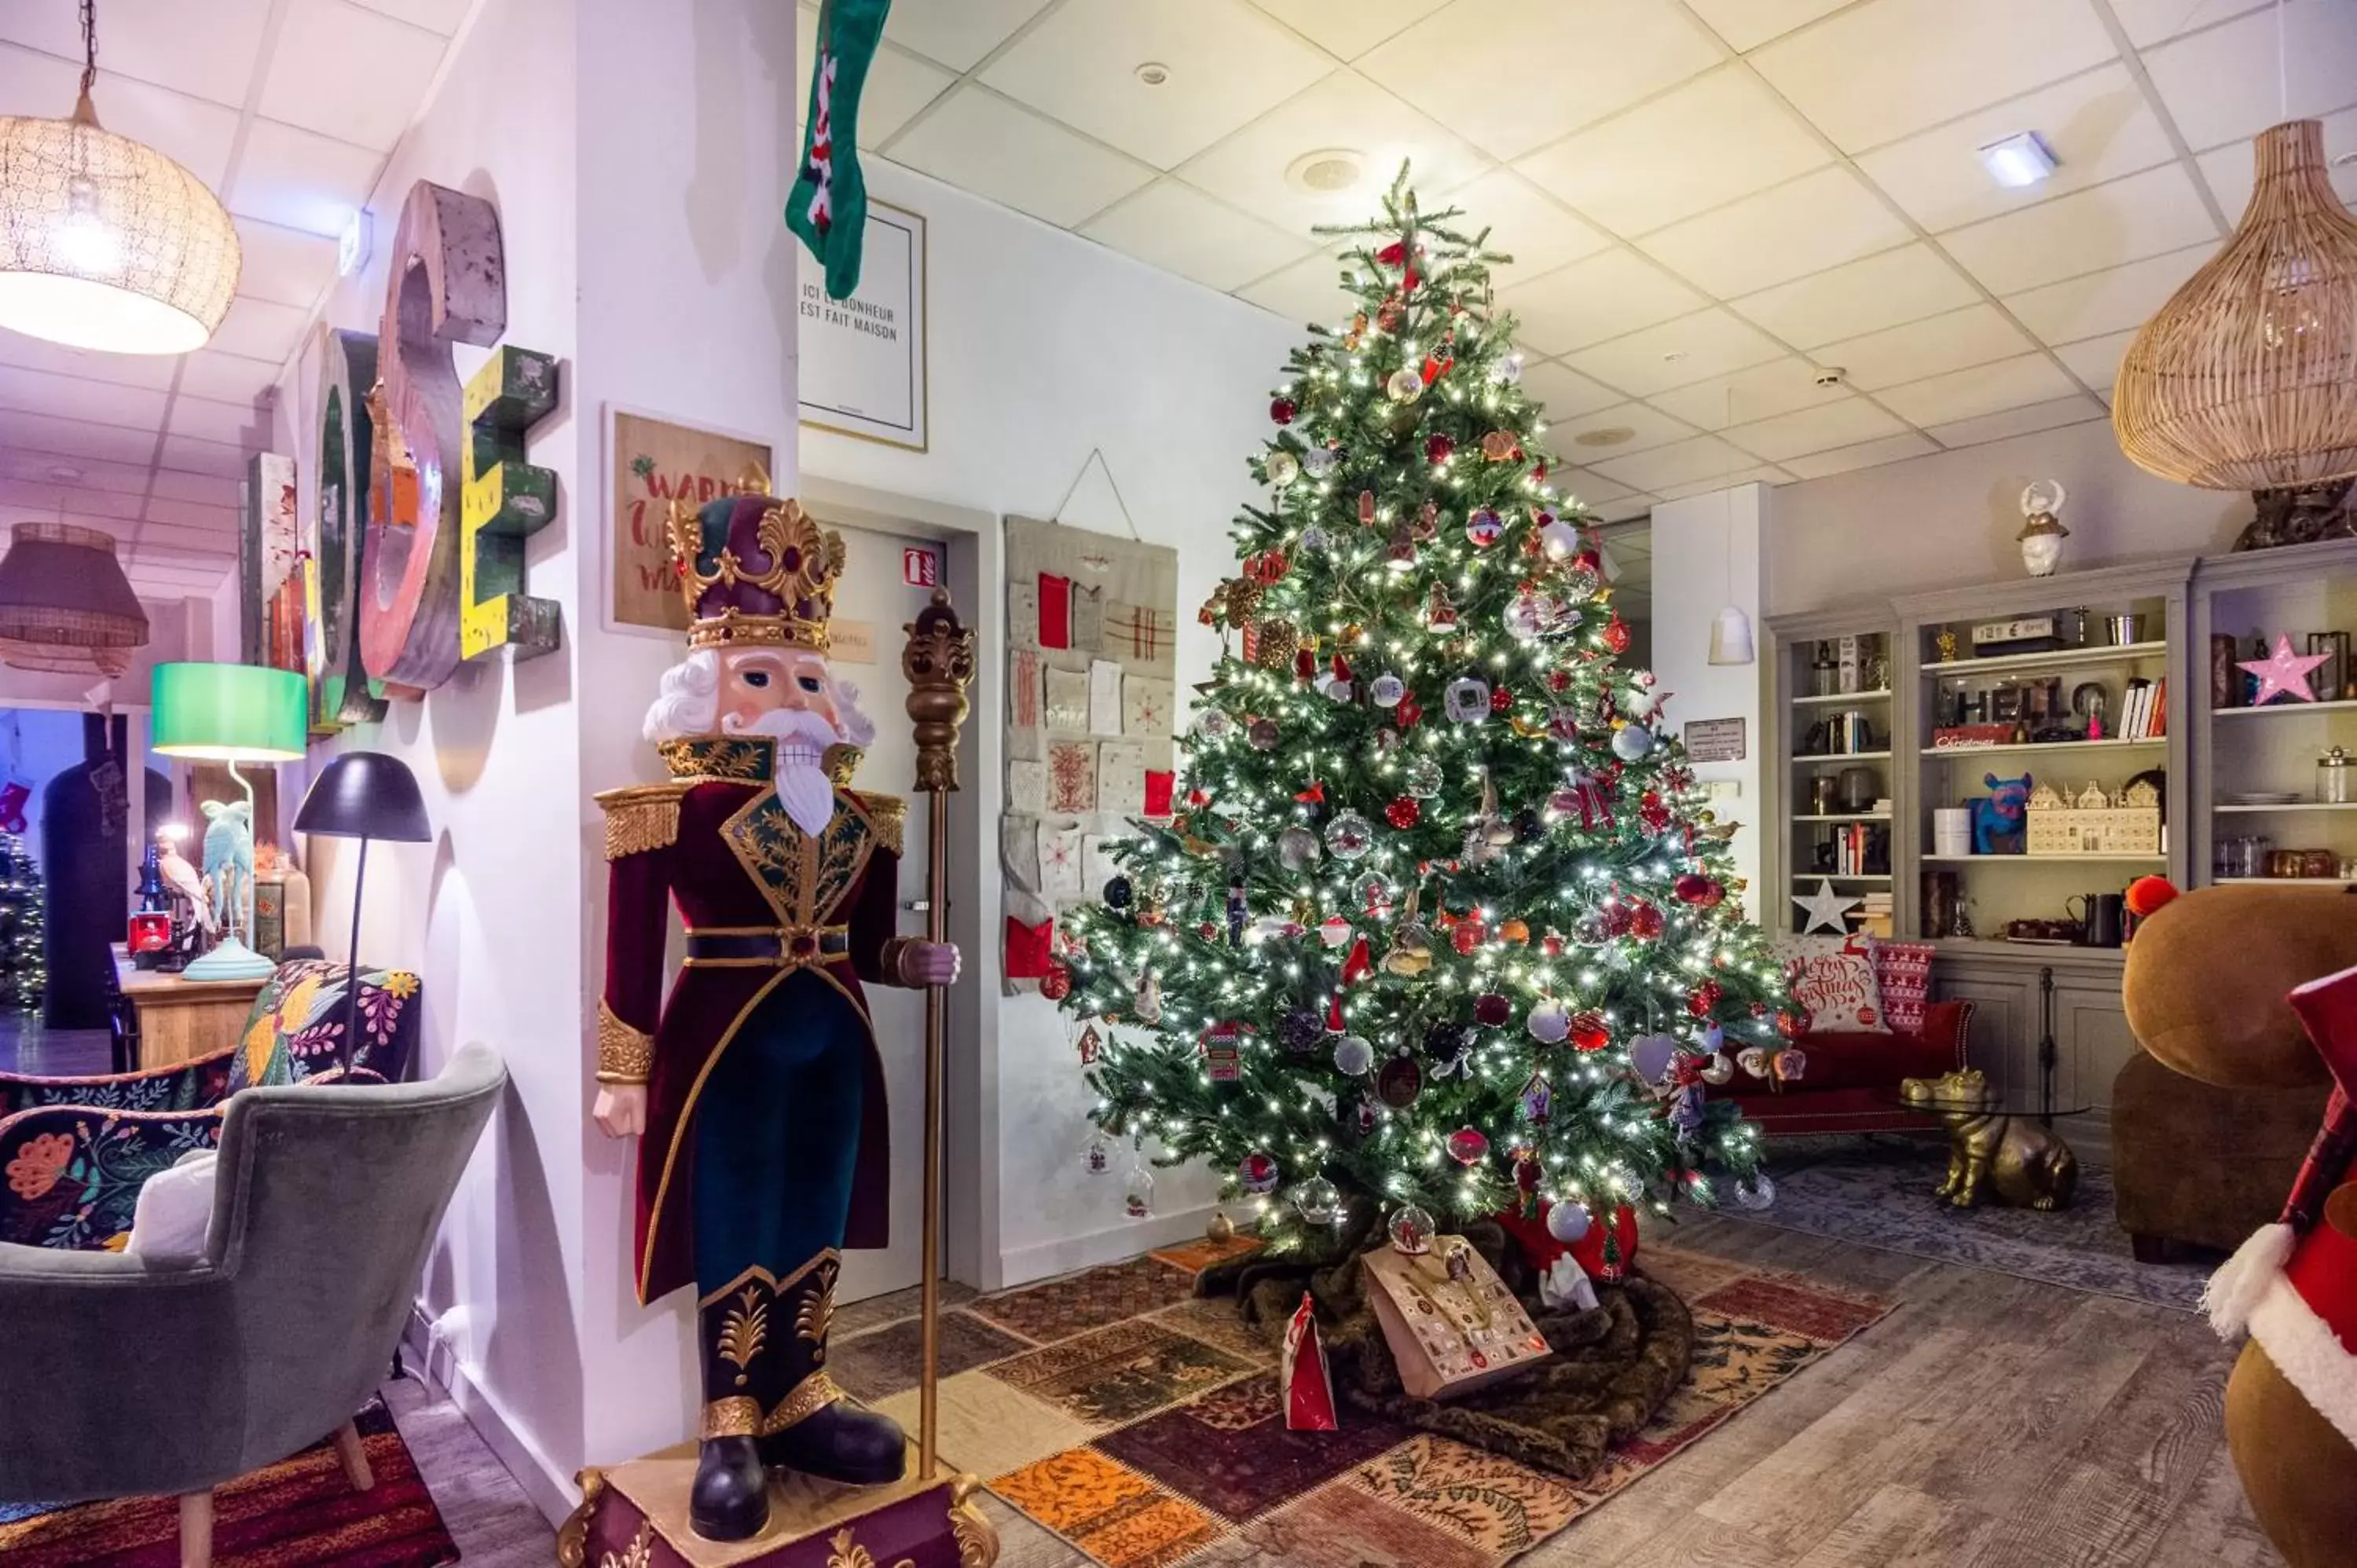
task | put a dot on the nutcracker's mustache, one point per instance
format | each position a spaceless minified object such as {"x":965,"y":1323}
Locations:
{"x":785,"y":723}
{"x":802,"y":737}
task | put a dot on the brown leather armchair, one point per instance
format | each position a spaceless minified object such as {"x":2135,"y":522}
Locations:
{"x":2198,"y":1155}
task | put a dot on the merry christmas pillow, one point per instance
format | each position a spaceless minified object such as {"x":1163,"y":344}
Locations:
{"x":1833,"y":985}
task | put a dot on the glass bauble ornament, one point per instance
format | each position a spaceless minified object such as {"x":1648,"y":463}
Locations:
{"x":1263,"y":735}
{"x":1549,"y":1022}
{"x":1349,"y":836}
{"x":1314,"y":539}
{"x":1579,"y":583}
{"x":1567,"y":1221}
{"x":1096,"y":1154}
{"x":1399,"y":1082}
{"x":1137,"y":1192}
{"x":1631,"y":742}
{"x":1375,"y":893}
{"x":1318,"y":461}
{"x":1755,"y":1191}
{"x":1466,"y":1145}
{"x":1283,"y":468}
{"x":1424,"y":778}
{"x":1385,"y":691}
{"x":1482,"y":528}
{"x":1296,"y":848}
{"x":1215,"y":725}
{"x":1443,"y":1040}
{"x":1439,"y":447}
{"x":1353,"y":1055}
{"x":1318,"y":1201}
{"x":1467,"y":701}
{"x":1282,"y":410}
{"x":1404,"y":813}
{"x":1257,"y":1172}
{"x":1411,"y":1230}
{"x":1506,"y":368}
{"x":1117,"y":893}
{"x":1405,"y":385}
{"x":1299,"y":1030}
{"x":1490,"y":1009}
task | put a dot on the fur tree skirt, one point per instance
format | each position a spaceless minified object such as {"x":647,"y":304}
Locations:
{"x":1613,"y":1367}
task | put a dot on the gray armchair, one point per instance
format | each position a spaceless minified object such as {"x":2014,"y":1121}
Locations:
{"x":131,"y":1377}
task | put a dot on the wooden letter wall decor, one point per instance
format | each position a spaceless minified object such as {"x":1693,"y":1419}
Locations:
{"x":447,"y":285}
{"x":341,"y":693}
{"x":507,"y":501}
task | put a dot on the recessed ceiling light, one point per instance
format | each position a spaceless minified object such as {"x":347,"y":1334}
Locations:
{"x":1154,"y":73}
{"x":1326,"y":171}
{"x":2018,"y":160}
{"x":1610,"y":436}
{"x":65,"y":471}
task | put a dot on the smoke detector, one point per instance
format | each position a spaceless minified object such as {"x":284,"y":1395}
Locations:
{"x":1831,"y":376}
{"x":1326,"y":171}
{"x":1154,"y":73}
{"x":1610,"y":436}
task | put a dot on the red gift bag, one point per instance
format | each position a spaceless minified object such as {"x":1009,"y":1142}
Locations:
{"x":1308,"y":1389}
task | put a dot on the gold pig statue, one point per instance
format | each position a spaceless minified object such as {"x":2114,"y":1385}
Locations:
{"x":2012,"y":1160}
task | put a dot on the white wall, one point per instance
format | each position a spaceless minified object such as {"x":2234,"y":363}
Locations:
{"x":1706,"y":554}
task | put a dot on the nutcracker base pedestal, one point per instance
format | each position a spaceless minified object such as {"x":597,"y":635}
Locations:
{"x":635,"y":1516}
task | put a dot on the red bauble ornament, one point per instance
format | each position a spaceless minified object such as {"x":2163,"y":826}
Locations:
{"x":1589,"y":1033}
{"x":1704,"y":999}
{"x":1491,"y":1010}
{"x":1654,"y":812}
{"x":1760,"y":1009}
{"x":1057,"y":983}
{"x":1702,"y":892}
{"x":1646,"y":922}
{"x":1466,"y":1145}
{"x":1616,"y":634}
{"x":1616,"y":918}
{"x":1439,"y":449}
{"x":1466,"y":936}
{"x":1404,"y":813}
{"x":1789,"y":1025}
{"x":1558,"y":681}
{"x":1265,"y":567}
{"x":1282,"y":410}
{"x":1552,"y":944}
{"x":1501,"y":700}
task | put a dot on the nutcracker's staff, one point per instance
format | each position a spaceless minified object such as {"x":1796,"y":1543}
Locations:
{"x":939,"y":662}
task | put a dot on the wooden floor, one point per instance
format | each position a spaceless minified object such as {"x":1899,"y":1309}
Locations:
{"x":1989,"y":1422}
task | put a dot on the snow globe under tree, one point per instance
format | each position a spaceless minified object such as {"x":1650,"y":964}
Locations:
{"x":1441,"y":934}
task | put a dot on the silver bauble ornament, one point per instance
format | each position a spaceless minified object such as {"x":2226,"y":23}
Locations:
{"x":1405,"y":385}
{"x":1296,"y":848}
{"x":1316,"y":1201}
{"x":1353,"y":1055}
{"x":1567,"y":1221}
{"x":1631,"y":743}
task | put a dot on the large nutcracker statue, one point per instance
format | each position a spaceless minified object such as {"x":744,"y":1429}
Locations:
{"x":756,"y":1086}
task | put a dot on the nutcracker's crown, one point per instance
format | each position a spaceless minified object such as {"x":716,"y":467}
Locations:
{"x":756,"y":571}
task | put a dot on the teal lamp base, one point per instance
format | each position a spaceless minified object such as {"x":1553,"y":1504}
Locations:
{"x":232,"y":960}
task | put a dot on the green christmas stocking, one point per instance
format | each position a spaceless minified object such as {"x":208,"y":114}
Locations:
{"x":828,"y":207}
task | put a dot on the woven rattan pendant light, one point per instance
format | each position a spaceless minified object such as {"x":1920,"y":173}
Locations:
{"x":2247,"y":379}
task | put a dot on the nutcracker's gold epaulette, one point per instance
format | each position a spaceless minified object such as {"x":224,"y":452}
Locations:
{"x":887,"y":815}
{"x":641,"y":817}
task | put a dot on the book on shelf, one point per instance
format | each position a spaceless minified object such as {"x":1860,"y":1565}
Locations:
{"x":2145,"y":712}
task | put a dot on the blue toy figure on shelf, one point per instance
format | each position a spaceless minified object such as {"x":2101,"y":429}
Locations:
{"x":1998,"y":817}
{"x":229,"y":860}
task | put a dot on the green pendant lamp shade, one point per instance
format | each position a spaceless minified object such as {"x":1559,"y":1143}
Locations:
{"x":231,"y":713}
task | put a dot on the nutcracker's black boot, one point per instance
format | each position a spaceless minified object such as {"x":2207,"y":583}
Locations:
{"x":731,"y":1497}
{"x":812,"y":1429}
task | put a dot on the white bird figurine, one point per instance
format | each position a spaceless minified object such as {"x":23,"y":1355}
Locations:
{"x":182,"y":878}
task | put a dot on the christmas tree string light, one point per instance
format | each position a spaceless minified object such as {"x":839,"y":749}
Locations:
{"x":1436,"y":885}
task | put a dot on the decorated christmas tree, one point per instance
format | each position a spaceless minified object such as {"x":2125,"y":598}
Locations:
{"x":24,"y":972}
{"x":1442,"y":920}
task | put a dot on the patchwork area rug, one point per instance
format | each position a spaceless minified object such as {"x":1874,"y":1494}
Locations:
{"x":1143,"y":1425}
{"x":1880,"y":1194}
{"x":297,"y":1513}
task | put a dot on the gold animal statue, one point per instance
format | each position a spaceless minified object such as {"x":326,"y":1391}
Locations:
{"x":2011,"y":1159}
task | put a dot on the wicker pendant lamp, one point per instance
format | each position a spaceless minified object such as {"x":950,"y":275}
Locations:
{"x":105,"y":243}
{"x":65,"y":604}
{"x":2247,"y":379}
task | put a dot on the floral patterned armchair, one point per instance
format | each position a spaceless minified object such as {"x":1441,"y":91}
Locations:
{"x":75,"y":1151}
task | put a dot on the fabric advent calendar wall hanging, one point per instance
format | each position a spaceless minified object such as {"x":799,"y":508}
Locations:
{"x":1092,"y":666}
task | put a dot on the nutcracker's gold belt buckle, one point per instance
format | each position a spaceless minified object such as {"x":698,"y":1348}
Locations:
{"x":765,"y":947}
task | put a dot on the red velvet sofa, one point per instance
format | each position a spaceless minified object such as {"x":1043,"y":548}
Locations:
{"x":1850,"y":1082}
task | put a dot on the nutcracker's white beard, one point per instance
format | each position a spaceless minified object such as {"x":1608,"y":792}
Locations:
{"x":802,"y":738}
{"x":688,"y":704}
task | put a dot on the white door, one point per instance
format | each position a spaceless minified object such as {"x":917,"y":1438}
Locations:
{"x":873,"y":597}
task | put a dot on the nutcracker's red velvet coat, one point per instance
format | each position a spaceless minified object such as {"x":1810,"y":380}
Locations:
{"x":714,"y":871}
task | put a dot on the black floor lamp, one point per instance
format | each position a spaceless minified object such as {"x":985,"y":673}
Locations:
{"x":364,"y":795}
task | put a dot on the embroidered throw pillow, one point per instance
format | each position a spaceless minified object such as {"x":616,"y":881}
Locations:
{"x":1833,"y":984}
{"x":1904,"y":971}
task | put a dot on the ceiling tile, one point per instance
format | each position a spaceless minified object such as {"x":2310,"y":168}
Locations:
{"x":1702,"y":459}
{"x":201,"y":456}
{"x":190,"y":131}
{"x":2086,"y":232}
{"x":1625,"y":428}
{"x":1807,"y":225}
{"x":1310,"y":290}
{"x":1884,"y":69}
{"x":207,"y":50}
{"x":1677,"y":353}
{"x":1228,"y":64}
{"x":443,"y":16}
{"x":1345,"y":111}
{"x":1904,"y":284}
{"x":979,"y":141}
{"x":203,"y":488}
{"x":2077,"y":408}
{"x":1593,"y":489}
{"x":152,"y":370}
{"x":226,"y":377}
{"x":2220,"y":85}
{"x":1525,"y":224}
{"x":2098,"y":126}
{"x":2097,"y":362}
{"x":1865,"y":454}
{"x":2113,"y":300}
{"x":284,"y":266}
{"x":1934,"y":345}
{"x":1788,"y":436}
{"x":353,"y":74}
{"x":1177,"y":227}
{"x":1600,"y":297}
{"x":958,"y":33}
{"x":1984,"y":389}
{"x":1760,"y":473}
{"x":898,"y":84}
{"x":70,"y":397}
{"x":2147,"y":22}
{"x":258,"y":329}
{"x":1628,"y":507}
{"x":230,"y":423}
{"x":1600,"y":56}
{"x":2229,"y":168}
{"x":163,"y":538}
{"x":1349,"y":29}
{"x":1718,"y":137}
{"x":1747,"y":24}
{"x":74,"y":439}
{"x":189,"y":514}
{"x":1779,"y":386}
{"x":1564,"y":393}
{"x":22,"y":465}
{"x":47,"y":499}
{"x":299,"y":180}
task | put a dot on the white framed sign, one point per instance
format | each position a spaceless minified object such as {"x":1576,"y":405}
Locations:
{"x":1714,"y":740}
{"x":863,"y":359}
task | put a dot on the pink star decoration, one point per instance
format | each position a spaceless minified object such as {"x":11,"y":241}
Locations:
{"x":2282,"y":672}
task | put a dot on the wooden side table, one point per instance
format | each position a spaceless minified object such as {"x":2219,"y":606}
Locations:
{"x":181,"y":1019}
